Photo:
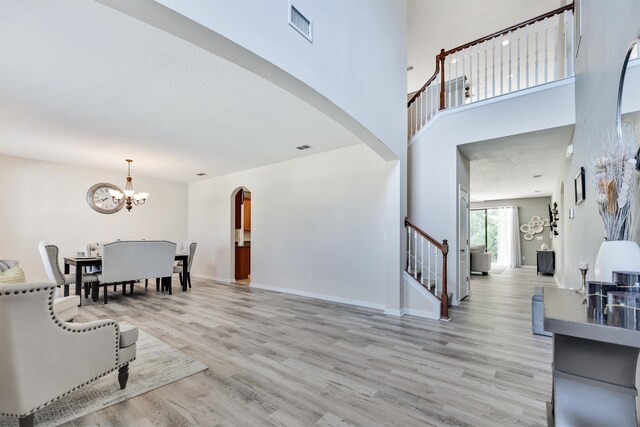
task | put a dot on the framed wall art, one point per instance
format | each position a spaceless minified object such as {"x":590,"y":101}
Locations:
{"x":579,"y":186}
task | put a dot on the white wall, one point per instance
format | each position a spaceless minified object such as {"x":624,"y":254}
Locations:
{"x":598,"y":67}
{"x":354,"y":72}
{"x":436,"y":167}
{"x":318,"y":226}
{"x":48,"y":202}
{"x":357,"y":59}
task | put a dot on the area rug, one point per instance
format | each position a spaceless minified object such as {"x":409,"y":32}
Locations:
{"x":157,"y":364}
{"x":496,"y":270}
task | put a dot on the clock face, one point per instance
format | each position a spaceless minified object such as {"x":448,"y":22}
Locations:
{"x":100,"y":200}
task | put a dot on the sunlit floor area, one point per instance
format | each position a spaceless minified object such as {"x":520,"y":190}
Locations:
{"x":282,"y":360}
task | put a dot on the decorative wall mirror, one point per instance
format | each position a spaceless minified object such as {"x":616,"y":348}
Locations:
{"x":629,"y":90}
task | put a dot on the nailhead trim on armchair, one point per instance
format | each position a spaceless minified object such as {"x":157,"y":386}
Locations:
{"x":71,"y":328}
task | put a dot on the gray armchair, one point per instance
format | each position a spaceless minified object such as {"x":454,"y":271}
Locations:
{"x":480,"y":259}
{"x":44,"y":358}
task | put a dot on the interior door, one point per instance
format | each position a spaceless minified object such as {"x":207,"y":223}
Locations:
{"x":463,"y":243}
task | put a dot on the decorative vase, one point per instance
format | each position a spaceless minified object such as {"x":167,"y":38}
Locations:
{"x":616,"y":255}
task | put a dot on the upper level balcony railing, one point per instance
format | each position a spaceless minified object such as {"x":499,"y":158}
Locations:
{"x":534,"y":52}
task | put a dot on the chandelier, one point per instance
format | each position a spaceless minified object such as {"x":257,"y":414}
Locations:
{"x":129,"y":196}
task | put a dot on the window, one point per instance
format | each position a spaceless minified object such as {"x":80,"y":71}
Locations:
{"x":484,"y":230}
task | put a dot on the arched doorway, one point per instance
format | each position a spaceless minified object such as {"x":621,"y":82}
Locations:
{"x":241,"y":235}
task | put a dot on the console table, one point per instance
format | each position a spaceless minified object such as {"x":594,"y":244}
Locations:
{"x":594,"y":365}
{"x":546,"y":262}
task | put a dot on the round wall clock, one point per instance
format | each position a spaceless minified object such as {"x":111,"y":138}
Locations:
{"x":100,"y":200}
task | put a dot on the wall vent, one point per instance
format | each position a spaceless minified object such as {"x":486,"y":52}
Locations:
{"x":300,"y":23}
{"x":303,"y":147}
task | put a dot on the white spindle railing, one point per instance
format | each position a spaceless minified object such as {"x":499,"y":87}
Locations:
{"x":426,"y":263}
{"x":529,"y":54}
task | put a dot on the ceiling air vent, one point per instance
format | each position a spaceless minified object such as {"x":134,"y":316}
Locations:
{"x":301,"y":24}
{"x":303,"y":147}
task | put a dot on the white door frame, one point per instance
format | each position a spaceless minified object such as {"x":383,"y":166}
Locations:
{"x":463,"y":276}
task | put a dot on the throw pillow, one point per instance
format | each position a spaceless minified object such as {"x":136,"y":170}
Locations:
{"x":12,"y":275}
{"x":5,"y":265}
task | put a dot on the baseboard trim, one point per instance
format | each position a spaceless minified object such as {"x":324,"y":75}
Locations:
{"x":222,"y":280}
{"x":555,"y":277}
{"x":323,"y":297}
{"x":419,"y":313}
{"x":394,"y":312}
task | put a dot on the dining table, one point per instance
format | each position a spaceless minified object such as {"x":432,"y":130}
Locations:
{"x":80,"y":262}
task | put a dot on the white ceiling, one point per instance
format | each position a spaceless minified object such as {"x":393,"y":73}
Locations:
{"x":503,"y":168}
{"x":445,"y":24}
{"x":82,"y":84}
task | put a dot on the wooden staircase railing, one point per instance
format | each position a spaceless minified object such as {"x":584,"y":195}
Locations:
{"x":536,"y":51}
{"x":422,"y":267}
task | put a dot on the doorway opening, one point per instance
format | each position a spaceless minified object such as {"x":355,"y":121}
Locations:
{"x":241,"y":235}
{"x":463,"y":243}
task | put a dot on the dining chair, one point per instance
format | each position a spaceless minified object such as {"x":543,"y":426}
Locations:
{"x":49,"y":255}
{"x":190,"y":249}
{"x":94,"y":249}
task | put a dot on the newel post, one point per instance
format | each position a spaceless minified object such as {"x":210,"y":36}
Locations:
{"x":444,"y":297}
{"x":441,"y":56}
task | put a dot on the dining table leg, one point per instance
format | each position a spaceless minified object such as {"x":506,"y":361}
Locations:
{"x":79,"y":281}
{"x":66,"y":287}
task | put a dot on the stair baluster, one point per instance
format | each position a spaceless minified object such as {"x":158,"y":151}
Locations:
{"x":418,"y":265}
{"x":440,"y":93}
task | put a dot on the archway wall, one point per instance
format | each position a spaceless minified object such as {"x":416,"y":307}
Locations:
{"x":319,"y":225}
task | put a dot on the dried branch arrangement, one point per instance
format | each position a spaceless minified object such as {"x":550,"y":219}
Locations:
{"x":616,"y":183}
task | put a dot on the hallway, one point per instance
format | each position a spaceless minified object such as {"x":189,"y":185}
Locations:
{"x":278,"y":359}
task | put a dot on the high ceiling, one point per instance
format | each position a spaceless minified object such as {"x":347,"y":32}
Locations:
{"x":445,"y":24}
{"x":82,"y":84}
{"x":504,"y":168}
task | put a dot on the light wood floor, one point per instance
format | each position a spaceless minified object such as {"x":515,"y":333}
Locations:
{"x":277,"y":359}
